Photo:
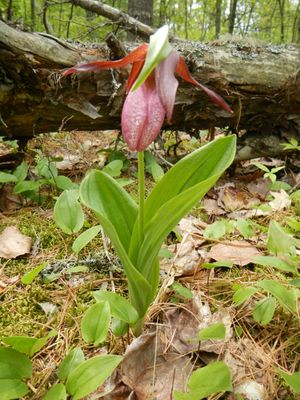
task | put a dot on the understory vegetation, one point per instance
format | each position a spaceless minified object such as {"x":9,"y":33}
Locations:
{"x":229,"y":281}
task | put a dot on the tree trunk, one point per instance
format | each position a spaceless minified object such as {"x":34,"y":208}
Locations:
{"x":32,"y":15}
{"x":218,"y":17}
{"x":9,"y":11}
{"x":232,"y":15}
{"x":141,"y":10}
{"x":282,"y":14}
{"x":260,"y":83}
{"x":296,"y":25}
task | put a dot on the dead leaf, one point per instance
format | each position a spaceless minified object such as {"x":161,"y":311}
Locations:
{"x":183,"y":324}
{"x":186,"y":259}
{"x":188,"y":226}
{"x":251,"y":390}
{"x":187,"y":254}
{"x":5,"y":282}
{"x":211,"y":207}
{"x":260,"y":187}
{"x":281,"y":201}
{"x":13,"y":243}
{"x":235,"y":199}
{"x":152,"y":370}
{"x":239,"y":252}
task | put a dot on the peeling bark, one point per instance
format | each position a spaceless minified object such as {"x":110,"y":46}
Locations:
{"x":260,"y":82}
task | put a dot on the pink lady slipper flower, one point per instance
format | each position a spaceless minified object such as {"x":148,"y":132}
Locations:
{"x":151,"y":88}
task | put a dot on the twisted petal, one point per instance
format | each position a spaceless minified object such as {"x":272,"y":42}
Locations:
{"x":183,"y":71}
{"x":166,"y":82}
{"x":134,"y":73}
{"x":142,"y":116}
{"x":138,"y":54}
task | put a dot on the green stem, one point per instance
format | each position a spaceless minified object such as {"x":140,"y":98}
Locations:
{"x":141,"y":179}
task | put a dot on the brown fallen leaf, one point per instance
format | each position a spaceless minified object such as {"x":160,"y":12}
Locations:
{"x":281,"y":201}
{"x":187,"y":254}
{"x":260,"y":187}
{"x":13,"y":243}
{"x":212,"y":208}
{"x":5,"y":282}
{"x":235,"y":199}
{"x":152,"y":370}
{"x":183,"y":324}
{"x":239,"y":252}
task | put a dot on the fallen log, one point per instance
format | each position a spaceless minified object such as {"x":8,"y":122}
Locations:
{"x":260,"y":82}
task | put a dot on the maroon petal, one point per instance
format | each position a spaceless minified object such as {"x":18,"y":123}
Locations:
{"x":183,"y":71}
{"x":166,"y":82}
{"x":134,"y":73}
{"x":138,"y":54}
{"x":142,"y":116}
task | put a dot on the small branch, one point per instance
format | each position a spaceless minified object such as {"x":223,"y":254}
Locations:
{"x":130,"y":24}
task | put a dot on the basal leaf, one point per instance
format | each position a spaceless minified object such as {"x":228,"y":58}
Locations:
{"x":95,"y":323}
{"x":276,"y":262}
{"x":113,"y":168}
{"x":293,"y":380}
{"x":13,"y":364}
{"x":114,"y":198}
{"x":180,"y":189}
{"x":181,"y":290}
{"x":68,"y":213}
{"x":28,"y":186}
{"x":264,"y":309}
{"x":109,"y":200}
{"x":11,"y":389}
{"x":280,"y":242}
{"x":56,"y":392}
{"x":215,"y":331}
{"x":210,"y":160}
{"x":85,"y":237}
{"x":21,"y":171}
{"x":118,"y":327}
{"x":69,"y":363}
{"x":91,"y":374}
{"x":285,"y":296}
{"x":212,"y":379}
{"x":120,"y":307}
{"x":164,"y":220}
{"x":64,"y":183}
{"x":5,"y":177}
{"x":31,"y":275}
{"x":243,"y":294}
{"x":26,"y":344}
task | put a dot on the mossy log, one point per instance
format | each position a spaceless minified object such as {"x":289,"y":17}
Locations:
{"x":260,"y":83}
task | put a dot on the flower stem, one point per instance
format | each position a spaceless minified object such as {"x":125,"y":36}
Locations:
{"x":141,"y":180}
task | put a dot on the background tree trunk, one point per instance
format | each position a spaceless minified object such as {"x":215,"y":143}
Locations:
{"x":141,"y":10}
{"x":260,"y":83}
{"x":282,"y":15}
{"x":218,"y":17}
{"x":32,"y":15}
{"x":232,"y":15}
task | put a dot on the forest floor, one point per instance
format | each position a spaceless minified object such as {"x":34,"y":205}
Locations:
{"x":232,"y":262}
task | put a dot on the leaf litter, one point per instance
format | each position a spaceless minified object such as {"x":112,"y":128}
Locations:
{"x":162,"y":359}
{"x":13,"y":243}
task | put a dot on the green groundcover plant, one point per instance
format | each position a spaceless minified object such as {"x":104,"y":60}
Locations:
{"x":137,"y":231}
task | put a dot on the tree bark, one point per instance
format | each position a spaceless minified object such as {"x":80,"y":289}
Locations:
{"x":218,"y":18}
{"x":232,"y":15}
{"x":282,"y":15}
{"x":260,"y":83}
{"x":142,"y":11}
